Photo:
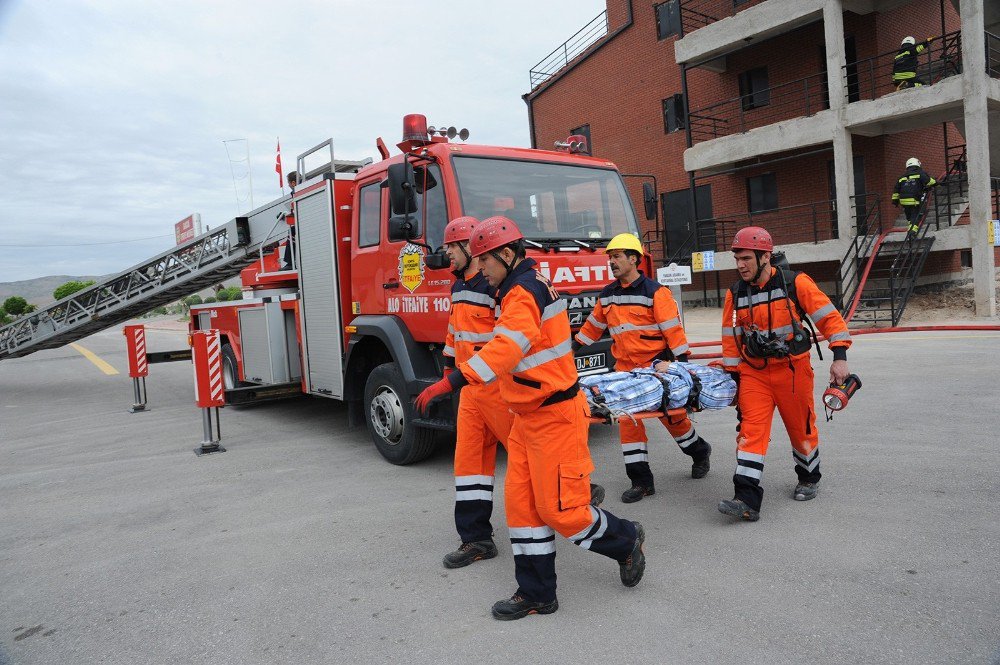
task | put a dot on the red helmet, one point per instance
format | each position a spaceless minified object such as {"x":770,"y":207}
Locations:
{"x":459,"y":229}
{"x":753,"y":237}
{"x":492,"y":233}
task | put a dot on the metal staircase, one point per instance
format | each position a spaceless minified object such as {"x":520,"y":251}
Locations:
{"x":880,"y":268}
{"x":212,"y":257}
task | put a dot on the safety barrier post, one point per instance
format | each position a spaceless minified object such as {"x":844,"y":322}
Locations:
{"x":208,"y":386}
{"x":138,"y":366}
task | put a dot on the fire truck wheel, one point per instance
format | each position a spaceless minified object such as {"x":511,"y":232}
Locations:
{"x":230,"y":370}
{"x":389,"y":415}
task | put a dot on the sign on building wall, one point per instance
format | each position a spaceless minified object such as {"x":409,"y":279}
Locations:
{"x":702,"y":261}
{"x":993,"y":231}
{"x":187,"y":228}
{"x":673,"y":275}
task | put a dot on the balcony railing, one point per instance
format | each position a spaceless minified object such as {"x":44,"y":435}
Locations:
{"x":802,"y":97}
{"x":569,"y":49}
{"x":871,"y":78}
{"x":699,"y":13}
{"x":803,"y":223}
{"x":992,"y":55}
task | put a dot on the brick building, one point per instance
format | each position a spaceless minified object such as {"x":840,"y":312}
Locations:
{"x":783,"y":114}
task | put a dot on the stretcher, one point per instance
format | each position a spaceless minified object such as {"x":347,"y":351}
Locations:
{"x":641,"y":415}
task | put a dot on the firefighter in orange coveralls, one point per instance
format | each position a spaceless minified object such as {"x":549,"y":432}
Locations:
{"x":645,"y":326}
{"x":547,"y":488}
{"x":766,"y":346}
{"x":483,"y":418}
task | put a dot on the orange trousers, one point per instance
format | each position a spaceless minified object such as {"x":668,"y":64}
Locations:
{"x":785,"y":384}
{"x":483,"y":420}
{"x":547,"y":490}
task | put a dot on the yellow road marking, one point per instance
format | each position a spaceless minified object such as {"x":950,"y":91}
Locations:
{"x":92,"y":357}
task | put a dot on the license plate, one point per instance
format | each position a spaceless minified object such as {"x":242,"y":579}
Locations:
{"x":590,"y":363}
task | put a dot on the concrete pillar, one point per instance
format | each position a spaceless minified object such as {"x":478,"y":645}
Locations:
{"x":977,"y":128}
{"x":843,"y":158}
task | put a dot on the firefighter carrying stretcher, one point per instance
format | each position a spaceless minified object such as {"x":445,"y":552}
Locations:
{"x":642,"y":318}
{"x":547,"y":488}
{"x":483,"y":418}
{"x":766,"y":347}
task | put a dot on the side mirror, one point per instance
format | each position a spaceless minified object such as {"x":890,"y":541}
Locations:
{"x":437,"y":261}
{"x":402,"y":228}
{"x":402,"y":189}
{"x":649,"y":200}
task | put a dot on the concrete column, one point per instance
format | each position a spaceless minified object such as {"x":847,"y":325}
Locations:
{"x":843,"y":158}
{"x":977,"y":128}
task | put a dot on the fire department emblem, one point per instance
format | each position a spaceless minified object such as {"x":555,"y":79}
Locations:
{"x":411,"y":267}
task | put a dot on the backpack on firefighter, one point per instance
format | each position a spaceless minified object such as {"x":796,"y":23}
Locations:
{"x":803,"y":332}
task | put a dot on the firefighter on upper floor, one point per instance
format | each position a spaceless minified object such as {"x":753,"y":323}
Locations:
{"x":766,"y":346}
{"x":909,"y":193}
{"x":547,"y":488}
{"x":904,"y":66}
{"x":642,"y":318}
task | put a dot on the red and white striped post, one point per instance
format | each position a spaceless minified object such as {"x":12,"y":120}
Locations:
{"x":208,"y":386}
{"x":138,"y":367}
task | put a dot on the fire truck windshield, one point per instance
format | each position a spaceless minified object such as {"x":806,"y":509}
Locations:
{"x":547,"y":201}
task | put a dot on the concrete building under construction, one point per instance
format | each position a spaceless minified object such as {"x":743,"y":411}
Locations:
{"x":785,"y":114}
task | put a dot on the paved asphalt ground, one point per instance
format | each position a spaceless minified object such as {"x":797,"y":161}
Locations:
{"x":301,"y":545}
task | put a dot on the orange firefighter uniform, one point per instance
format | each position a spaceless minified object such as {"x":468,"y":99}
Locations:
{"x":785,"y":383}
{"x":547,"y":487}
{"x":483,"y":418}
{"x":645,"y":327}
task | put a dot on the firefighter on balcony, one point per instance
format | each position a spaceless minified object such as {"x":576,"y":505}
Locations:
{"x":642,"y":318}
{"x":548,"y":462}
{"x":765,"y":344}
{"x":909,"y":193}
{"x":904,"y":66}
{"x":483,"y":419}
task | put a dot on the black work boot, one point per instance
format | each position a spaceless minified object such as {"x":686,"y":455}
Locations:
{"x":470,"y":553}
{"x":518,"y":607}
{"x":805,"y":491}
{"x":700,"y":463}
{"x":596,"y":495}
{"x":636,"y":492}
{"x":738,"y":508}
{"x":632,"y":568}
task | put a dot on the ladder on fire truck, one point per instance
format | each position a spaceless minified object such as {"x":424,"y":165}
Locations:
{"x":210,"y":258}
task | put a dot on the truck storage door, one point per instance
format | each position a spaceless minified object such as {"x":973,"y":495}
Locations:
{"x":322,"y":328}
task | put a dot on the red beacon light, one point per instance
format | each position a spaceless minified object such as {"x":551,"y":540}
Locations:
{"x":415,"y":128}
{"x":575,"y":143}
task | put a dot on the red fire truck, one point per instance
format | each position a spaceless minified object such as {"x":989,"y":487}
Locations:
{"x":361,"y":314}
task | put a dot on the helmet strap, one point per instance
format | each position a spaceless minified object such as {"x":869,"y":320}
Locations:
{"x":507,"y":266}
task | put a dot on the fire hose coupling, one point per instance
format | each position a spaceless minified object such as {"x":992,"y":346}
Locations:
{"x":836,"y":397}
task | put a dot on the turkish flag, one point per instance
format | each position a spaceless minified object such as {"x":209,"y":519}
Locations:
{"x":277,"y":167}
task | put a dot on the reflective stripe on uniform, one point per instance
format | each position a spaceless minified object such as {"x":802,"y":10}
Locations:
{"x":730,"y":362}
{"x":463,"y":336}
{"x":593,"y":531}
{"x":518,"y":338}
{"x":837,"y":337}
{"x":810,"y":462}
{"x":449,"y":351}
{"x":687,"y":438}
{"x":473,"y":297}
{"x":821,"y":312}
{"x":482,"y":369}
{"x":668,"y":324}
{"x":532,"y":540}
{"x":635,"y":452}
{"x":628,"y":327}
{"x":592,"y":320}
{"x":544,"y":356}
{"x":627,"y":300}
{"x":553,"y":309}
{"x":583,"y":339}
{"x":683,"y":348}
{"x":758,"y":298}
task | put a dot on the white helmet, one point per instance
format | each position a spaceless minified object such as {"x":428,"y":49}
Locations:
{"x":908,"y":40}
{"x":913,"y":161}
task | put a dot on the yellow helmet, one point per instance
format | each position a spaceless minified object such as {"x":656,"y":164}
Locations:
{"x":625,"y":241}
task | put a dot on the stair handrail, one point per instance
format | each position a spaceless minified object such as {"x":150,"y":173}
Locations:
{"x":851,"y":279}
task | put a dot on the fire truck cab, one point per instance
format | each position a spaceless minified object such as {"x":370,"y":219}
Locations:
{"x":361,"y":315}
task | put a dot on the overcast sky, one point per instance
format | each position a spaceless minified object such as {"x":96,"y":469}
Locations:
{"x":113,"y":112}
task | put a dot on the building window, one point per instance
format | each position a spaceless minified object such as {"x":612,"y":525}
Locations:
{"x":584,"y":131}
{"x":369,"y":215}
{"x":762,"y":193}
{"x":965,"y":257}
{"x":754,"y":91}
{"x":674,"y":116}
{"x":668,"y":19}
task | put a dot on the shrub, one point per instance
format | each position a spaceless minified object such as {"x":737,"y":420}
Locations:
{"x":15,"y":305}
{"x":70,"y":288}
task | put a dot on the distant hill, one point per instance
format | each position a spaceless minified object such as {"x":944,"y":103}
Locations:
{"x":38,"y":291}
